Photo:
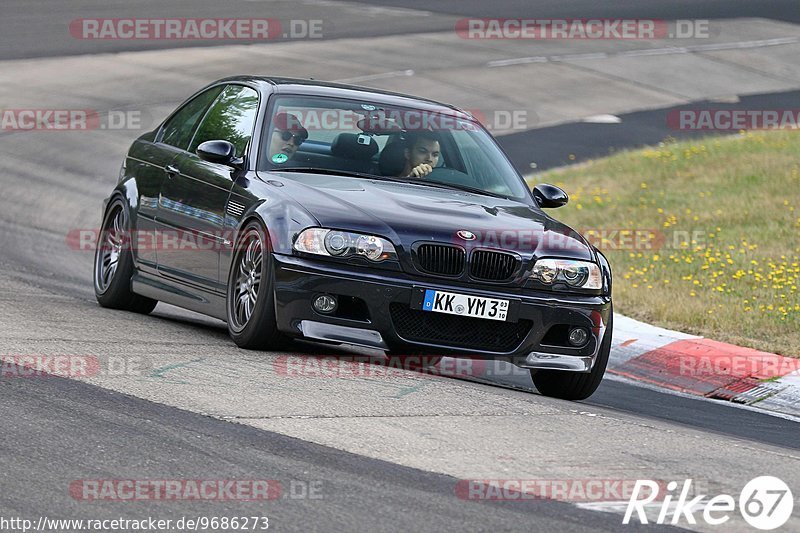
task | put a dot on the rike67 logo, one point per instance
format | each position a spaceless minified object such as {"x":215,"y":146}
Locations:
{"x":765,"y":503}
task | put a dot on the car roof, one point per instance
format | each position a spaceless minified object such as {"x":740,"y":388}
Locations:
{"x":311,"y":87}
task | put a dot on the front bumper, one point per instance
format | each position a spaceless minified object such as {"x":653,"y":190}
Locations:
{"x":299,"y":280}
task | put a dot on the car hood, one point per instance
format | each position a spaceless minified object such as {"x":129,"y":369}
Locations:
{"x":406,"y":213}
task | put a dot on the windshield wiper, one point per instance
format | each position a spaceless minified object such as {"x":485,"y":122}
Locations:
{"x":465,"y":188}
{"x":327,"y":172}
{"x":351,"y":174}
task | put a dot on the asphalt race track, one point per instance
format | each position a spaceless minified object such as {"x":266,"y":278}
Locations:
{"x":164,"y":442}
{"x":40,"y":28}
{"x":386,"y":452}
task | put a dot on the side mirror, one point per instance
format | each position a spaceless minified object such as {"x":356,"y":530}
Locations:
{"x":220,"y":152}
{"x":547,"y":195}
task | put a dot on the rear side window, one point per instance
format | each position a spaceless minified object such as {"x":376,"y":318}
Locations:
{"x":178,"y":130}
{"x":231,"y":118}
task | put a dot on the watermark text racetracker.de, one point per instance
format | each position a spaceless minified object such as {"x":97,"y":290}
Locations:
{"x":733,"y":119}
{"x":372,"y":367}
{"x":372,"y":119}
{"x":253,"y":522}
{"x":722,"y":364}
{"x":73,"y":366}
{"x":566,"y":490}
{"x":765,"y":502}
{"x":194,"y":29}
{"x":604,"y":239}
{"x":180,"y":490}
{"x":41,"y":119}
{"x":581,"y":29}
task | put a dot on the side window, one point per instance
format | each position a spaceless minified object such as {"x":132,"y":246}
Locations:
{"x":231,"y":118}
{"x":178,"y":130}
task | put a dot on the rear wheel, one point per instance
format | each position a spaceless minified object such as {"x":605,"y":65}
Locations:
{"x":251,"y":298}
{"x":576,"y":385}
{"x":113,"y":264}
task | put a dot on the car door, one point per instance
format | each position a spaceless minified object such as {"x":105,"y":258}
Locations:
{"x":191,"y":208}
{"x":149,"y":163}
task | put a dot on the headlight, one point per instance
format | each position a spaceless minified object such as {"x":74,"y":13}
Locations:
{"x":578,"y":274}
{"x":337,"y":243}
{"x":371,"y":247}
{"x":334,"y":243}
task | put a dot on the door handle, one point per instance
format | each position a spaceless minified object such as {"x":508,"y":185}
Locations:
{"x":171,"y":170}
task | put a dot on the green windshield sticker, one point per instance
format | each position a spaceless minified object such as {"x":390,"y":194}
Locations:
{"x":280,"y":158}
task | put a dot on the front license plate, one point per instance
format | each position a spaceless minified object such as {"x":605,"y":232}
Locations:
{"x":463,"y":305}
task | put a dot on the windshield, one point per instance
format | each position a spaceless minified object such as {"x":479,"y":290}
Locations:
{"x":365,"y":139}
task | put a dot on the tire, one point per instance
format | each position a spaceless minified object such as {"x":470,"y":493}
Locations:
{"x":576,"y":385}
{"x":113,"y":264}
{"x":250,"y":300}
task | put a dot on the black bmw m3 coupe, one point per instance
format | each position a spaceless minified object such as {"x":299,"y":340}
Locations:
{"x":293,"y":208}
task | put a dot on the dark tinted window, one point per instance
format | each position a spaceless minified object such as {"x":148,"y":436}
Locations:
{"x":179,"y":129}
{"x":231,"y":118}
{"x":367,"y":137}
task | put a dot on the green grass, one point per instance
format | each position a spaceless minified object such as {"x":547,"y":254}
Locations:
{"x":739,"y":196}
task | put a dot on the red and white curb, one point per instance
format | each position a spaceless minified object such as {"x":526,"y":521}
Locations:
{"x":678,"y":362}
{"x":703,"y":367}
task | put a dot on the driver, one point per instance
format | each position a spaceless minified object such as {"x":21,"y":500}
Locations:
{"x":287,"y":136}
{"x":422,"y":154}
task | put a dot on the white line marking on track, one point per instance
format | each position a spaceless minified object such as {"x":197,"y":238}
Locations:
{"x":739,"y":45}
{"x":602,"y":119}
{"x":381,"y":76}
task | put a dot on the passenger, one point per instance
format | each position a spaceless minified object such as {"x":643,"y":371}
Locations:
{"x":422,"y":154}
{"x":287,"y":136}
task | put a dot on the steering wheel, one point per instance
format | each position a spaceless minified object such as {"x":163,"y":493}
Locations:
{"x":450,"y":175}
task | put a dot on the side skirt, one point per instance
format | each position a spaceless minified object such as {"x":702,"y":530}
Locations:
{"x":179,"y":294}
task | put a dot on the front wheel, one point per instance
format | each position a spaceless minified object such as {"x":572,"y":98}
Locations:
{"x":113,"y":264}
{"x":251,"y":298}
{"x":576,"y":385}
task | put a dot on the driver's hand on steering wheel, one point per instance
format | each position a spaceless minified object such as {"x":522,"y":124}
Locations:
{"x":420,"y":171}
